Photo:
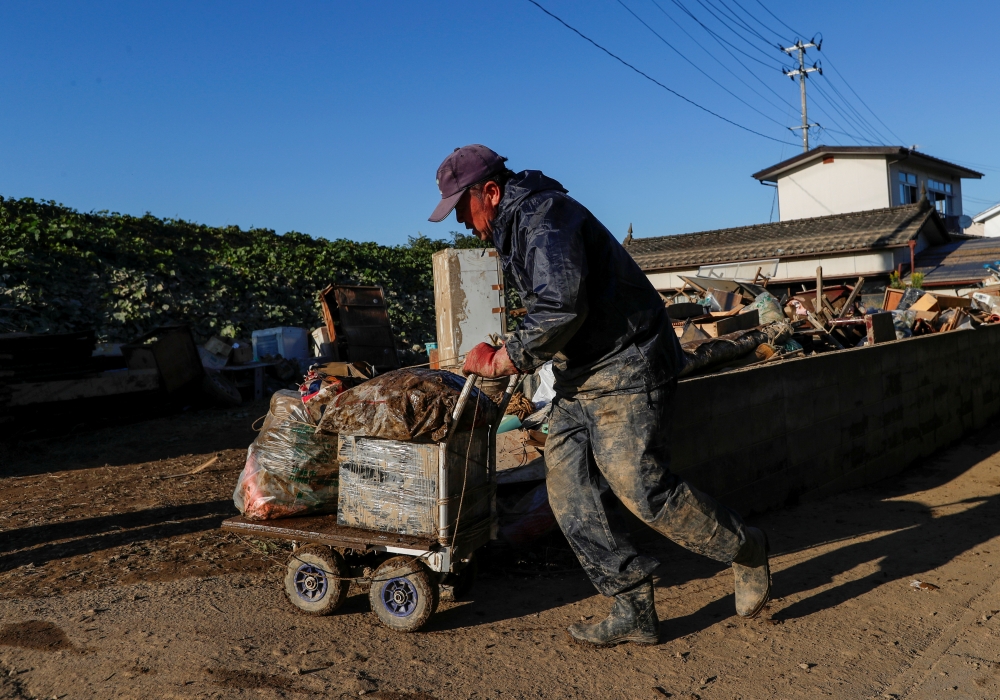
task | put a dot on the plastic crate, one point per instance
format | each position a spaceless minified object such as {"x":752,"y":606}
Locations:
{"x":287,"y":341}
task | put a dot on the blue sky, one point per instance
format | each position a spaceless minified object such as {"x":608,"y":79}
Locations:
{"x":331,"y":118}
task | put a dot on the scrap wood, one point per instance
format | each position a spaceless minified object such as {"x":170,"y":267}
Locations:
{"x":848,"y":306}
{"x":193,"y":471}
{"x":820,"y":327}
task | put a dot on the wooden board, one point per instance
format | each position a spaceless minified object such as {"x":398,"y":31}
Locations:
{"x":323,"y":529}
{"x":947,"y":301}
{"x":731,"y":324}
{"x":892,"y":298}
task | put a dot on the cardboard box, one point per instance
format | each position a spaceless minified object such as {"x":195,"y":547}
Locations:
{"x":730,"y":324}
{"x":928,"y":302}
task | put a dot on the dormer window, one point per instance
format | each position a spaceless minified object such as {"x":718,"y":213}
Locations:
{"x":939,"y":194}
{"x":908,"y":193}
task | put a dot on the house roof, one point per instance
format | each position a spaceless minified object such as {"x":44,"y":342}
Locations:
{"x":988,"y":214}
{"x":838,"y":233}
{"x":958,"y":263}
{"x":771,"y":174}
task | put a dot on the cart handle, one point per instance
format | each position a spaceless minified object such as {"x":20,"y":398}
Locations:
{"x":470,"y":381}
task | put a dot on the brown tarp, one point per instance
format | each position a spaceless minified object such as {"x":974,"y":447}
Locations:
{"x":409,"y":404}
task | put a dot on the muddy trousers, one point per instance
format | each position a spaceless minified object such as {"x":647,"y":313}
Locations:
{"x":617,"y":448}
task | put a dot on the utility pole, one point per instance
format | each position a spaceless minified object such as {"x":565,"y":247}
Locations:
{"x":802,"y":72}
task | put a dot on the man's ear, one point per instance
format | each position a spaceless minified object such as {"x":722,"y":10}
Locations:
{"x":491,"y":193}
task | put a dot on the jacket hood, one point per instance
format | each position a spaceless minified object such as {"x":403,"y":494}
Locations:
{"x":518,"y":188}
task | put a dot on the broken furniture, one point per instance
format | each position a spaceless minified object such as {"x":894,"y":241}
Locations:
{"x":358,"y":325}
{"x":468,"y":301}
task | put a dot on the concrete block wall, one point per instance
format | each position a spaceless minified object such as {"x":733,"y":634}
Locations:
{"x":805,"y":428}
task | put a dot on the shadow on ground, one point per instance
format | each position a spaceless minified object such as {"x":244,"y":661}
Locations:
{"x":199,"y":431}
{"x":916,"y":541}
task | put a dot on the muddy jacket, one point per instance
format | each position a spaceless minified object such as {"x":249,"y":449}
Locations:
{"x":590,"y":308}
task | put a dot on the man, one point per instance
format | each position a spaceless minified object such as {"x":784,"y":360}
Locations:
{"x":615,"y":356}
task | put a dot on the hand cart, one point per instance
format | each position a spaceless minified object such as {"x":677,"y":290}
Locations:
{"x":410,"y":569}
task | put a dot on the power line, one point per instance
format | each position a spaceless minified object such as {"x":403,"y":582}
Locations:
{"x":650,"y":78}
{"x":723,"y":43}
{"x":783,"y":107}
{"x":778,"y":18}
{"x":852,"y":123}
{"x":727,"y":26}
{"x":860,"y":117}
{"x":695,"y":65}
{"x":720,"y":39}
{"x":839,"y":75}
{"x":728,"y":11}
{"x":754,"y":18}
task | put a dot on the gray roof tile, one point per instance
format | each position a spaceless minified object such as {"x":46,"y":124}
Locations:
{"x":857,"y":231}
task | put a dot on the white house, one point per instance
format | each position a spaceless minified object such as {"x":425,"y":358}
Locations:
{"x":843,"y":179}
{"x":986,"y":223}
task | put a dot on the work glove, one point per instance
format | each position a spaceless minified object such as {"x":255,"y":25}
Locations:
{"x":489,"y":362}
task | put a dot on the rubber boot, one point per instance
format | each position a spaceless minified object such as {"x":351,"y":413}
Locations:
{"x":632,"y":619}
{"x":753,"y":574}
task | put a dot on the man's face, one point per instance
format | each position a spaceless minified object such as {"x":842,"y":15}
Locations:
{"x":477,"y":208}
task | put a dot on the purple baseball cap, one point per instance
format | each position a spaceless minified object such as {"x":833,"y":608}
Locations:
{"x":465,"y":167}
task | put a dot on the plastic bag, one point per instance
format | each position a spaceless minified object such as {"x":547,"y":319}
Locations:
{"x":546,"y":386}
{"x":290,"y":469}
{"x":407,"y":404}
{"x":768,"y":308}
{"x":903,"y":321}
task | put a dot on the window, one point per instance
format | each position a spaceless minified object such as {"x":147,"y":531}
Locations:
{"x":939,"y":194}
{"x":908,"y":193}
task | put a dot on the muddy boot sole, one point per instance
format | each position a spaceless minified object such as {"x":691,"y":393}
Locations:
{"x":642,"y":641}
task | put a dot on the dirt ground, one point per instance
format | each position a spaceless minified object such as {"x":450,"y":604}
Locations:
{"x":115,"y":582}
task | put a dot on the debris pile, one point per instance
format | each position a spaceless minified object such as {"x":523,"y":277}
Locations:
{"x":724,"y":323}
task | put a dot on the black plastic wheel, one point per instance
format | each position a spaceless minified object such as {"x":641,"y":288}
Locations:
{"x":404,"y":594}
{"x":316,"y":580}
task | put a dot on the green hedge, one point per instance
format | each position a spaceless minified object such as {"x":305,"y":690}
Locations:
{"x":61,"y":270}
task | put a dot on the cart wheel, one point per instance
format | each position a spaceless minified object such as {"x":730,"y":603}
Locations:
{"x":316,"y":580}
{"x":404,"y":594}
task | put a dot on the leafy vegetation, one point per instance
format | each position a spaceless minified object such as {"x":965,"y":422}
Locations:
{"x":62,"y":270}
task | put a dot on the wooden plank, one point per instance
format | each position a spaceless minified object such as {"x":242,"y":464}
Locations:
{"x":819,"y":290}
{"x":892,"y":298}
{"x":846,"y":308}
{"x":820,"y":327}
{"x":323,"y":529}
{"x":730,"y":324}
{"x":103,"y":384}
